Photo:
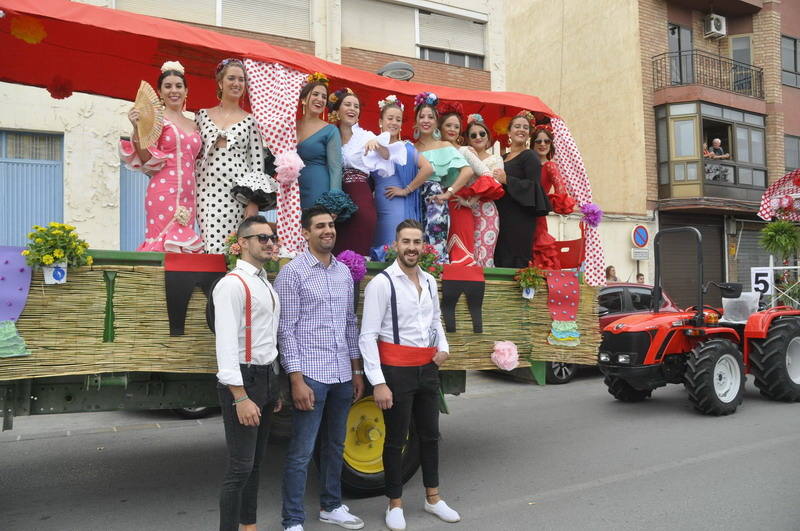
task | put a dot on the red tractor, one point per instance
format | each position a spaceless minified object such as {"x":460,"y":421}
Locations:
{"x":709,"y":351}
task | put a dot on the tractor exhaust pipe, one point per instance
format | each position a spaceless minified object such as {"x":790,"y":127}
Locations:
{"x":655,"y":303}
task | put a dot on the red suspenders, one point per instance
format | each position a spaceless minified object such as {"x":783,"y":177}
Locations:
{"x":248,"y":320}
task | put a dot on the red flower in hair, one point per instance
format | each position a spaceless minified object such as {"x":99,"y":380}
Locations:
{"x":447,"y":108}
{"x":60,"y":88}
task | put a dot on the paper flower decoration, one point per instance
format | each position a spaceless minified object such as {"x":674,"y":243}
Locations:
{"x":28,"y":29}
{"x":356,"y":263}
{"x":391,"y":99}
{"x":174,"y":66}
{"x":426,"y":97}
{"x":60,"y":88}
{"x":287,"y":167}
{"x":451,"y":108}
{"x":474,"y":119}
{"x":592,"y":214}
{"x":317,"y":76}
{"x":500,"y":126}
{"x":505,"y":355}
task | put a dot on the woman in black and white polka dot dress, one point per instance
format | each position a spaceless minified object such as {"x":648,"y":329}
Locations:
{"x":231,"y":183}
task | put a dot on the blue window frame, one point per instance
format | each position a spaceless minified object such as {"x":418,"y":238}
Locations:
{"x":132,"y":218}
{"x":31,"y":183}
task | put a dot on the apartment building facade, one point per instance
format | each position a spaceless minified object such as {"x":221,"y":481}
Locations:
{"x":645,"y":84}
{"x":66,"y":150}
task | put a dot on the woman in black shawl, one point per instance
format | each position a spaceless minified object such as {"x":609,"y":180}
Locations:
{"x":524,"y":201}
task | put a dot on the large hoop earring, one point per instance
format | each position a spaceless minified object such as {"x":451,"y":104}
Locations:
{"x":437,"y":135}
{"x":416,"y":133}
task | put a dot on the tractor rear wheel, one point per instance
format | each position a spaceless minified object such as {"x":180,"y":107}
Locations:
{"x":623,"y":391}
{"x":715,"y":377}
{"x":775,"y":361}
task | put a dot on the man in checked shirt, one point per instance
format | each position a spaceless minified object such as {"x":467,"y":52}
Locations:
{"x":318,"y":341}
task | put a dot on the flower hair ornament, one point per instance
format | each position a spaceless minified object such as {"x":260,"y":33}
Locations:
{"x":222,"y":64}
{"x":427,"y":98}
{"x":334,"y":100}
{"x":543,"y":127}
{"x":173,"y":66}
{"x":475,"y":119}
{"x":451,"y":108}
{"x":528,"y":115}
{"x":318,"y":77}
{"x":391,"y":99}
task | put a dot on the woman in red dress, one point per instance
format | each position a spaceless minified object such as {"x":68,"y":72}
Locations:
{"x":545,"y":251}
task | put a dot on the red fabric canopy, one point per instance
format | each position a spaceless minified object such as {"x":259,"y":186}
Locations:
{"x":73,"y":46}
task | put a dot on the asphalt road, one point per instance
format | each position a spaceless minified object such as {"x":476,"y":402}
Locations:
{"x":514,"y":457}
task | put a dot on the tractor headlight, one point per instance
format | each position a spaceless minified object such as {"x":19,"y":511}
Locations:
{"x":624,"y":358}
{"x":604,"y":357}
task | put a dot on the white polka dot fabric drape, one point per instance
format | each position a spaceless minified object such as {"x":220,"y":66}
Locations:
{"x":570,"y":163}
{"x":274,"y":94}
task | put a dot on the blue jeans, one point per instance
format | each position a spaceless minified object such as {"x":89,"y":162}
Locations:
{"x":329,"y":419}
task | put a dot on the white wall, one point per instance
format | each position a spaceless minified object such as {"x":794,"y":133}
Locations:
{"x":92,"y":126}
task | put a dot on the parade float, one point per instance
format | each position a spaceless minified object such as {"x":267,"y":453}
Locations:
{"x":128,"y":330}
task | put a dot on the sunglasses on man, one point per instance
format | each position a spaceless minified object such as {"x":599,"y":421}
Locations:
{"x":481,"y":134}
{"x":263,"y":238}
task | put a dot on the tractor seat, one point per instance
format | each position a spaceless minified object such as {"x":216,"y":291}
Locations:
{"x":737,"y":311}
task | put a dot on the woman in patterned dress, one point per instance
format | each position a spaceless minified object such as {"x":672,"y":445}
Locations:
{"x":170,"y":199}
{"x":545,"y":249}
{"x":231,"y":181}
{"x":450,"y":173}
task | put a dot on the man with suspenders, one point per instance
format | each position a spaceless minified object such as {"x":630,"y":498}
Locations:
{"x":402,"y":344}
{"x":246,"y":311}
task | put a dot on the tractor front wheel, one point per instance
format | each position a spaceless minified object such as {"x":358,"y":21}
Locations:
{"x":625,"y":392}
{"x":775,"y":361}
{"x":715,"y":377}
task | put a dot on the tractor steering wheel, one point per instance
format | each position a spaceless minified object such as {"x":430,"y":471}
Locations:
{"x":705,"y":307}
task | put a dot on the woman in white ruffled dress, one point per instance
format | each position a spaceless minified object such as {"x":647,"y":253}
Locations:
{"x":362,"y":153}
{"x":231,"y":183}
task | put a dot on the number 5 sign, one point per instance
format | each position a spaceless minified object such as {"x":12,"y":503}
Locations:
{"x":761,"y":278}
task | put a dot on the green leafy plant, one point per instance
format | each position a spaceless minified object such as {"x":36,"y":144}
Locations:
{"x":55,"y":243}
{"x":781,"y":238}
{"x":530,"y":277}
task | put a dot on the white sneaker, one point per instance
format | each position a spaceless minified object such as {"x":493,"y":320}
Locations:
{"x":395,"y":520}
{"x":341,"y":516}
{"x":441,"y":510}
{"x":297,"y":527}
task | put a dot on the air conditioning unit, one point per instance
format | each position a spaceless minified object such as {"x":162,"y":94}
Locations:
{"x":715,"y":27}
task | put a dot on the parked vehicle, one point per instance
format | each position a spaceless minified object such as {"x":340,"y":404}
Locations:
{"x":615,"y":301}
{"x":707,"y":350}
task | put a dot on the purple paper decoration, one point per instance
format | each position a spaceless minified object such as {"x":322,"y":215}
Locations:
{"x":15,"y":281}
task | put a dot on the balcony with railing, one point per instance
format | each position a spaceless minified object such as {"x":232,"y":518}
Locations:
{"x":695,"y":67}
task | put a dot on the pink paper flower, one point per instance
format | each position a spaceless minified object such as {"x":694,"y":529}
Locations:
{"x":355,"y":262}
{"x":505,"y":355}
{"x":287,"y":167}
{"x":236,"y":249}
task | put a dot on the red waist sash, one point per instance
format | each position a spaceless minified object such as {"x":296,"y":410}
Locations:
{"x":405,"y":356}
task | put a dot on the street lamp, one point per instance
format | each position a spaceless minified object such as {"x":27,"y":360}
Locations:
{"x":397,"y":70}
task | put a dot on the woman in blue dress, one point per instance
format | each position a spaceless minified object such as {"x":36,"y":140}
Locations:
{"x":319,"y":144}
{"x":397,"y":196}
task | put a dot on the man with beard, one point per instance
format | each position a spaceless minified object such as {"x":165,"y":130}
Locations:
{"x":403,"y":344}
{"x":319,"y":349}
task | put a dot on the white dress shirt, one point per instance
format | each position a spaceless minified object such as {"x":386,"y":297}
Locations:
{"x":229,"y":321}
{"x":418,"y":316}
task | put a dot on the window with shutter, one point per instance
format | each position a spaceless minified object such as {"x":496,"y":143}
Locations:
{"x":288,"y":18}
{"x":451,"y":40}
{"x":31,"y":183}
{"x":201,"y":11}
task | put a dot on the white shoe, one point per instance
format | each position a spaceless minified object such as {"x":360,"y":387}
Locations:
{"x":395,"y":520}
{"x":297,"y":527}
{"x":341,"y":516}
{"x":441,"y":510}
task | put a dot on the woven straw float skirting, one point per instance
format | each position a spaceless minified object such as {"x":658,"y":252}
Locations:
{"x":63,"y":327}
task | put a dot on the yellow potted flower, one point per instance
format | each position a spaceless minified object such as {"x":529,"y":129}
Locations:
{"x":55,"y":248}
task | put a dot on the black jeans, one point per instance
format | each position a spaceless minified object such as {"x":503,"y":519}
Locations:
{"x":415,"y":394}
{"x":246,"y":445}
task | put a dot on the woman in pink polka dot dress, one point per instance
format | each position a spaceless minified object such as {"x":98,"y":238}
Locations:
{"x":170,"y":199}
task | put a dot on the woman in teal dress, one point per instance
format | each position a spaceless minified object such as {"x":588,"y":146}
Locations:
{"x":450,"y":173}
{"x":319,"y":144}
{"x":397,"y":196}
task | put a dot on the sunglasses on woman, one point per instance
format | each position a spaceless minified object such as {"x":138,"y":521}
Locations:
{"x":264,"y":238}
{"x":481,"y":134}
{"x":544,"y":141}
